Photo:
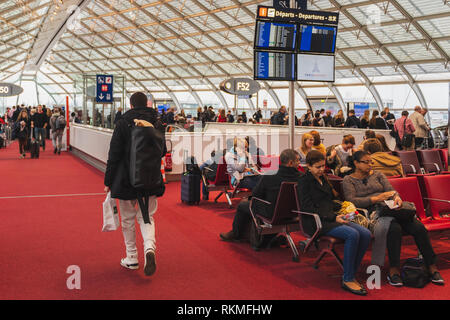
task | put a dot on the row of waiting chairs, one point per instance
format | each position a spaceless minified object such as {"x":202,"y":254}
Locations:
{"x":287,"y":213}
{"x":222,"y":183}
{"x":424,"y":161}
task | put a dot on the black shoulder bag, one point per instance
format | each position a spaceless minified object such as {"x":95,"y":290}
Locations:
{"x":408,"y":138}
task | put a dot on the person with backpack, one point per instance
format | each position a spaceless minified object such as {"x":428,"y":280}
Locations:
{"x":57,"y":124}
{"x":404,"y":127}
{"x":133,"y":175}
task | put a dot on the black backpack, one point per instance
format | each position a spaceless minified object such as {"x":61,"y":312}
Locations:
{"x":408,"y":138}
{"x":414,"y":273}
{"x":146,"y":151}
{"x":192,"y":166}
{"x":211,"y":171}
{"x":60,"y":122}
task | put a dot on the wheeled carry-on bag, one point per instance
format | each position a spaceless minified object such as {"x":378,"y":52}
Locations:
{"x":34,"y":147}
{"x":190,"y":188}
{"x":190,"y":181}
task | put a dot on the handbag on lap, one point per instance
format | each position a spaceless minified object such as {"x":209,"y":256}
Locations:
{"x":407,"y":211}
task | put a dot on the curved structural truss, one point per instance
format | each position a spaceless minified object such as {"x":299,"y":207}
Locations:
{"x":171,"y":46}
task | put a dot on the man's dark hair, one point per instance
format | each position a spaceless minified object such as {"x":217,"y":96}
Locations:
{"x":314,"y":156}
{"x":288,"y":155}
{"x":138,"y":100}
{"x":370,"y":134}
{"x":405,"y":113}
{"x":348,"y":139}
{"x":372,"y":146}
{"x":351,"y":112}
{"x":383,"y":113}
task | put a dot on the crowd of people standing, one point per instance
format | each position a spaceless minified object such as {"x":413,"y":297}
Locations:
{"x":35,"y":123}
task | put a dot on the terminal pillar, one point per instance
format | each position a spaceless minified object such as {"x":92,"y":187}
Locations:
{"x":67,"y":122}
{"x":291,"y":114}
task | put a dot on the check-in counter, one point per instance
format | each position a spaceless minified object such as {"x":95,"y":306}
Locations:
{"x":92,"y":143}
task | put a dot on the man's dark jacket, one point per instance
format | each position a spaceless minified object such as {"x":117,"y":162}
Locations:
{"x":170,"y":117}
{"x":381,"y":124}
{"x":279,"y":118}
{"x":352,"y":122}
{"x":269,"y":187}
{"x":117,"y":176}
{"x":16,"y":114}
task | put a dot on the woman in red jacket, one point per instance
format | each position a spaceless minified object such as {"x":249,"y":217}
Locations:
{"x":222,"y":117}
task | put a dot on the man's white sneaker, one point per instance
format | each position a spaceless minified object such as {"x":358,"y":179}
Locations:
{"x":130,"y":262}
{"x":150,"y":263}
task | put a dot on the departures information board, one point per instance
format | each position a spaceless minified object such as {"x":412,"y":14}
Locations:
{"x":318,"y":39}
{"x":273,"y":35}
{"x":274,"y":66}
{"x":295,"y":44}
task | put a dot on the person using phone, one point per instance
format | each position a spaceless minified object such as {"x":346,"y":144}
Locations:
{"x":240,"y":164}
{"x":365,"y":188}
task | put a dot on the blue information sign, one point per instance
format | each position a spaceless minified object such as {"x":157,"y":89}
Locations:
{"x":360,"y":108}
{"x":105,"y":85}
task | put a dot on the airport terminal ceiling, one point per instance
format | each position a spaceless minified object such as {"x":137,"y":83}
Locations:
{"x":175,"y":48}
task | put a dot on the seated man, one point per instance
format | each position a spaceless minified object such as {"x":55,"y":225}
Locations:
{"x":267,"y":189}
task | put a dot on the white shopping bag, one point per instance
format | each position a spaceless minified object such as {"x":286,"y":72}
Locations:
{"x":110,"y":214}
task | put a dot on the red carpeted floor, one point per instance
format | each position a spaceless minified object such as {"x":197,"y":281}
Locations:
{"x":42,"y":235}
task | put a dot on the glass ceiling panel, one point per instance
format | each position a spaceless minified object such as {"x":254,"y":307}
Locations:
{"x":423,"y":7}
{"x":200,"y":38}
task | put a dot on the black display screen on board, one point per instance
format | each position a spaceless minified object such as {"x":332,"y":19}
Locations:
{"x":275,"y":35}
{"x":274,"y":66}
{"x":317,"y":39}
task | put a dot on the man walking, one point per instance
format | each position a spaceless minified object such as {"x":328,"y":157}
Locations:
{"x":57,"y":124}
{"x":39,"y":123}
{"x":117,"y":180}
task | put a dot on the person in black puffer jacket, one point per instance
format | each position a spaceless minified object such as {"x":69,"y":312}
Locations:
{"x":117,"y":180}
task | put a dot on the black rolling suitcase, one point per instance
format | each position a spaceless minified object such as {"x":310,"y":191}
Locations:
{"x":190,"y":182}
{"x":34,"y":147}
{"x":190,"y":188}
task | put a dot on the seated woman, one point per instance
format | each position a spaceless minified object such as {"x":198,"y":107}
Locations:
{"x":382,"y":161}
{"x":318,"y":145}
{"x":337,"y":155}
{"x":369,"y":134}
{"x":306,"y":147}
{"x":382,"y":140}
{"x":240,"y":165}
{"x":316,"y":196}
{"x":365,"y":188}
